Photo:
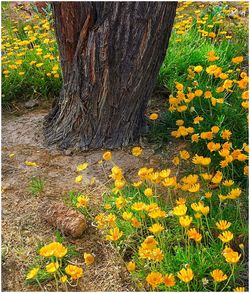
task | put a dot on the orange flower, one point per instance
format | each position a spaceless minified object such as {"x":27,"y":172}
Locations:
{"x":154,"y":279}
{"x":194,"y":234}
{"x":107,"y":156}
{"x":237,"y":60}
{"x":226,"y":134}
{"x":169,"y":280}
{"x":230,"y":255}
{"x":218,"y":276}
{"x":131,"y":266}
{"x":153,"y":116}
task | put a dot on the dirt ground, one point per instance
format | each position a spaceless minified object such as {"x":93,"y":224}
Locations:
{"x":22,"y":228}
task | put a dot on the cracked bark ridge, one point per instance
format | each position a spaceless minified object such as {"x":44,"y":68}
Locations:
{"x":111,"y":53}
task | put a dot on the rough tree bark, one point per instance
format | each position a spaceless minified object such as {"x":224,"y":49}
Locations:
{"x":111,"y":53}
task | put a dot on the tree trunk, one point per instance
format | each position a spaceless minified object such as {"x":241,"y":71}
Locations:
{"x":111,"y":53}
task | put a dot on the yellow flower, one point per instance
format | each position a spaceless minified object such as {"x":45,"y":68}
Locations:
{"x":185,"y":275}
{"x":114,"y":234}
{"x":228,"y":183}
{"x":179,"y":122}
{"x":169,"y":280}
{"x":156,"y":228}
{"x":137,"y":184}
{"x":184,"y":155}
{"x":239,"y":289}
{"x":82,"y":201}
{"x":200,"y":160}
{"x":138,"y":206}
{"x":234,"y":193}
{"x":237,"y":60}
{"x":241,"y":246}
{"x":136,"y":151}
{"x":176,"y":161}
{"x":53,"y":249}
{"x":153,"y":116}
{"x":120,"y":202}
{"x":185,"y":221}
{"x":78,"y":179}
{"x":223,"y":225}
{"x":130,"y":266}
{"x":180,"y":200}
{"x":81,"y":167}
{"x":165,"y":173}
{"x":30,"y":164}
{"x":119,"y":184}
{"x":218,"y":276}
{"x":148,"y":192}
{"x":74,"y":271}
{"x":154,"y":279}
{"x":198,"y":68}
{"x":116,"y":173}
{"x":180,"y":210}
{"x":64,"y":279}
{"x":107,"y":156}
{"x":226,"y":236}
{"x":32,"y":274}
{"x":156,"y":255}
{"x":179,"y":86}
{"x":217,"y":177}
{"x":39,"y":65}
{"x":198,"y":93}
{"x":208,"y":195}
{"x":11,"y":155}
{"x":60,"y":250}
{"x":88,"y":259}
{"x":149,"y":242}
{"x":52,"y":267}
{"x":127,"y":216}
{"x":194,"y":188}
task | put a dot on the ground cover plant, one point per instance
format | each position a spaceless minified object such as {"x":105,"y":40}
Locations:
{"x":181,"y":227}
{"x":30,"y":64}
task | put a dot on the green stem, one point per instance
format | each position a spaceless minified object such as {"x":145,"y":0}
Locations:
{"x":39,"y":284}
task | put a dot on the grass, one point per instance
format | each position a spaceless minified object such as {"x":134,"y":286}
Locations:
{"x":36,"y":186}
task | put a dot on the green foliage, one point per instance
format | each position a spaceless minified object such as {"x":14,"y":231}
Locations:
{"x":30,"y":67}
{"x":36,"y":186}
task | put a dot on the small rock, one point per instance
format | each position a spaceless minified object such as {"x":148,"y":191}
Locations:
{"x":67,"y":220}
{"x":31,"y":104}
{"x":68,"y":152}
